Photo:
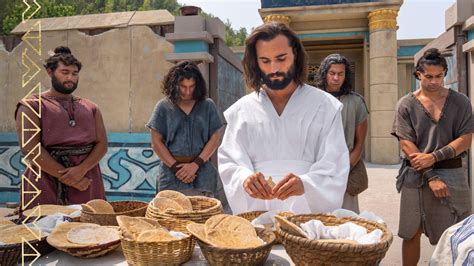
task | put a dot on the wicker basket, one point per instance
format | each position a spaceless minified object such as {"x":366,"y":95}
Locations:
{"x":249,"y":256}
{"x":11,"y":254}
{"x":174,"y":252}
{"x":133,"y":208}
{"x":203,"y":209}
{"x":250,"y":216}
{"x":304,"y":251}
{"x":92,"y":252}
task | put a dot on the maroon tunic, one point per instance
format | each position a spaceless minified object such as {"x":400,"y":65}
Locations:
{"x":56,"y":131}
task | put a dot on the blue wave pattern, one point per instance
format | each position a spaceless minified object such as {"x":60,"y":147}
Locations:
{"x":128,"y":173}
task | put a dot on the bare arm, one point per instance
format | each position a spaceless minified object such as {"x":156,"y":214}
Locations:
{"x":461,"y":144}
{"x":212,"y":145}
{"x":160,"y":148}
{"x":360,"y":133}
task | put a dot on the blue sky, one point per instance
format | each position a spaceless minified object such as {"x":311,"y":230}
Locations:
{"x":417,"y":18}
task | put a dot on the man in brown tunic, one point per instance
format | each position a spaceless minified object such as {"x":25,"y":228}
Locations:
{"x":72,"y":137}
{"x":434,"y":127}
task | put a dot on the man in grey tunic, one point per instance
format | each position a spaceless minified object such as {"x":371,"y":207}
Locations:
{"x":434,"y":126}
{"x":334,"y":77}
{"x":186,"y":130}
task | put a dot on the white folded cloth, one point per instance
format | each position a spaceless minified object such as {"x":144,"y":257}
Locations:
{"x":316,"y":230}
{"x":265,"y":218}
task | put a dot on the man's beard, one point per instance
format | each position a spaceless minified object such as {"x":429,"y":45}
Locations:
{"x":59,"y":87}
{"x":288,"y":77}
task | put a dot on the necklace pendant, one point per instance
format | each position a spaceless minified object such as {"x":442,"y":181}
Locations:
{"x":72,"y":123}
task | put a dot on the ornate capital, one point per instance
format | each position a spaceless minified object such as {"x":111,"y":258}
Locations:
{"x":383,"y":19}
{"x":277,"y":18}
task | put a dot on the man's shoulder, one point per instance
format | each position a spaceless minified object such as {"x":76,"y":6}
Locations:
{"x":85,"y":101}
{"x":459,"y":98}
{"x":406,"y":99}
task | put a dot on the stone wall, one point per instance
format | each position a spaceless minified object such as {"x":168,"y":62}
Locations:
{"x":122,"y":73}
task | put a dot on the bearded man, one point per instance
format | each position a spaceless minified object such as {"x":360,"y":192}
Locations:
{"x":285,"y":129}
{"x":72,"y":137}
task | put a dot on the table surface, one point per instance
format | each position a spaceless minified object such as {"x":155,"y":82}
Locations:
{"x":278,"y":256}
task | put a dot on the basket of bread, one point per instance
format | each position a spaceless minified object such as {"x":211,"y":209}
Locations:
{"x":148,"y":241}
{"x":84,"y":240}
{"x":226,"y":239}
{"x":175,"y":205}
{"x":28,"y":234}
{"x":101,"y":212}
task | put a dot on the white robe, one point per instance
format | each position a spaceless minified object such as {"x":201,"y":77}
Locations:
{"x":307,"y":139}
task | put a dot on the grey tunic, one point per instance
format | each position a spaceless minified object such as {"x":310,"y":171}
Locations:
{"x":418,"y":204}
{"x":353,"y":113}
{"x":186,"y":135}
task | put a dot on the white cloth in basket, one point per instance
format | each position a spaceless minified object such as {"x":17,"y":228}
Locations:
{"x":315,"y":230}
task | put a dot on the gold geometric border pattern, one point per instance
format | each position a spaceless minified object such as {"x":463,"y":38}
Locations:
{"x":32,"y":38}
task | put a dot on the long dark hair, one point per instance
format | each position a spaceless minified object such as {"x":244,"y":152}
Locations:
{"x":321,"y":81}
{"x":432,"y":57}
{"x":267,"y":32}
{"x":183,"y":70}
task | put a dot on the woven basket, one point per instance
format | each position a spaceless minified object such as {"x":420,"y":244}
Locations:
{"x":11,"y":254}
{"x":249,"y":256}
{"x":92,"y":252}
{"x":250,"y":216}
{"x":304,"y":251}
{"x":133,"y":208}
{"x":203,"y":209}
{"x":174,"y":252}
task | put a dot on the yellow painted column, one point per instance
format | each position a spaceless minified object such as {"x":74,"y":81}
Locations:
{"x":383,"y":85}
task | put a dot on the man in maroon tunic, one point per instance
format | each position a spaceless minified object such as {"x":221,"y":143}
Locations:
{"x":72,"y":137}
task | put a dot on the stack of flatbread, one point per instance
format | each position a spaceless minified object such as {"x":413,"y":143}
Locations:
{"x":79,"y":235}
{"x":171,"y":200}
{"x":48,"y":209}
{"x":13,"y":234}
{"x":226,"y":231}
{"x":141,"y":229}
{"x":98,"y":206}
{"x":6,"y":216}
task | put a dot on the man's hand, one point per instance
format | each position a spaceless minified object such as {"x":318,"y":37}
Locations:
{"x":187,"y":172}
{"x":420,"y":161}
{"x":439,"y":188}
{"x":290,"y":185}
{"x":74,"y":177}
{"x":257,"y":187}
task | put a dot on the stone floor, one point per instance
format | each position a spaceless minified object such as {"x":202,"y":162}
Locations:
{"x":382,"y":198}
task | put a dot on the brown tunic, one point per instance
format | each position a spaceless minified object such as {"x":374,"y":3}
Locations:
{"x":56,"y":131}
{"x":419,"y":206}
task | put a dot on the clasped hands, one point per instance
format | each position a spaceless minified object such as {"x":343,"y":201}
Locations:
{"x":420,"y":161}
{"x":257,"y":187}
{"x":187,"y":172}
{"x":75,"y":177}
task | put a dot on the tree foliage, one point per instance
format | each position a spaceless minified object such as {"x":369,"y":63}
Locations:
{"x":11,"y":12}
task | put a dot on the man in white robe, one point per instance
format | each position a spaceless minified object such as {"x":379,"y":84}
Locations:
{"x":286,"y":129}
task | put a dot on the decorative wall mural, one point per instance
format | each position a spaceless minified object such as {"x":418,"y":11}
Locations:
{"x":129,"y":170}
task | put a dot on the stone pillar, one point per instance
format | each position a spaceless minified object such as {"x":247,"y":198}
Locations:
{"x":277,"y":18}
{"x":383,"y":85}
